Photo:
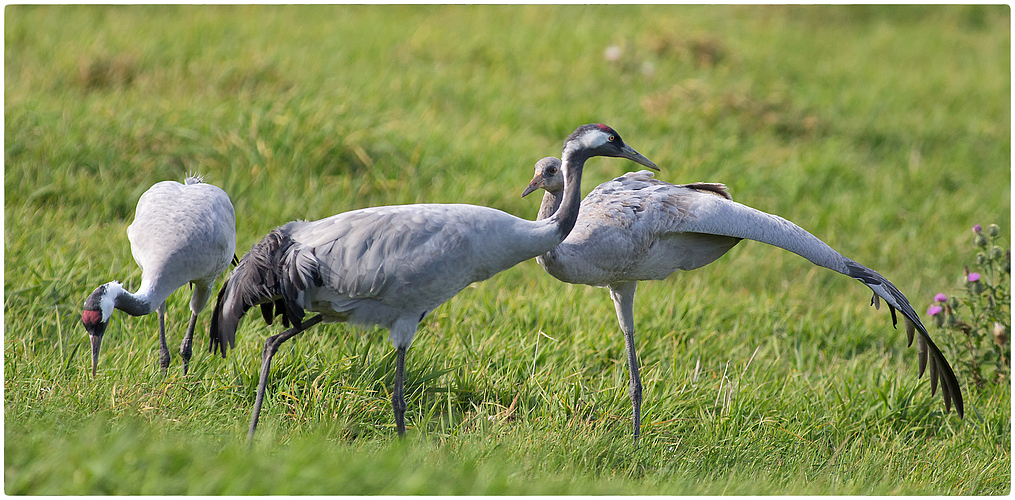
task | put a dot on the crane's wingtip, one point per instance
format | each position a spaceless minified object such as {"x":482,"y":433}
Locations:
{"x":929,"y":355}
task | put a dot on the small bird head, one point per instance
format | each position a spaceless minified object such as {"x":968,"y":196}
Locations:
{"x":596,"y":139}
{"x":95,"y":316}
{"x":548,"y":176}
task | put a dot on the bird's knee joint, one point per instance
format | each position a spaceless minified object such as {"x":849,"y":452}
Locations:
{"x":398,"y":404}
{"x":635,"y":392}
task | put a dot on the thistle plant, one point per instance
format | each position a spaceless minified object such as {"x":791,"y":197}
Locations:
{"x":979,"y":315}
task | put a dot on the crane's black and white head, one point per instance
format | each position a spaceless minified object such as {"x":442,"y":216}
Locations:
{"x":96,"y":313}
{"x":548,"y":176}
{"x":596,"y":139}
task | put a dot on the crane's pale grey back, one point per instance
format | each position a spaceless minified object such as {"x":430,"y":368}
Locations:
{"x":424,"y":256}
{"x":183,"y":232}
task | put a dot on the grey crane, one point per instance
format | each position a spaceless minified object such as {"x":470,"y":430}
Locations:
{"x":390,"y":266}
{"x":182,"y":233}
{"x":636,"y":228}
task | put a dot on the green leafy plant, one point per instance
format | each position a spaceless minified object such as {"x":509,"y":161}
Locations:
{"x":980,"y":315}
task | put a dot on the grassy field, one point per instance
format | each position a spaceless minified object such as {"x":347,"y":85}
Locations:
{"x":885,"y":131}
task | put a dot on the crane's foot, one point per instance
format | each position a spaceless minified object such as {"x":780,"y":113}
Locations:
{"x":185,"y":353}
{"x":163,"y":364}
{"x":399,"y":406}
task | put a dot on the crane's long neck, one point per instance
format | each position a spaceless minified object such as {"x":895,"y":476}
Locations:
{"x":550,"y":204}
{"x":134,"y":304}
{"x":566,"y":214}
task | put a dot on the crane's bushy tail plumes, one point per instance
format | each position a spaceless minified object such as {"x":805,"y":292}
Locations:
{"x":729,"y":218}
{"x":261,"y":278}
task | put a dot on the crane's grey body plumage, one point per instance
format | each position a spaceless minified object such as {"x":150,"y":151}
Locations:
{"x":628,"y":230}
{"x":390,"y":266}
{"x":181,"y":233}
{"x":636,"y":228}
{"x":382,"y":265}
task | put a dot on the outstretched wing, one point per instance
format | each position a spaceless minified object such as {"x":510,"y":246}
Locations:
{"x":720,"y":216}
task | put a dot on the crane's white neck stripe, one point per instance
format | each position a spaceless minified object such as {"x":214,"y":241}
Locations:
{"x":108,"y":300}
{"x":588,"y":140}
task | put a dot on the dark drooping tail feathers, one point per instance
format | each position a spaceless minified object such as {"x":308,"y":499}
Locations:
{"x":263,"y":277}
{"x":940,"y":370}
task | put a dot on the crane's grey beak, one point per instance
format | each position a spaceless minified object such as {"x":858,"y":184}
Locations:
{"x":629,"y":153}
{"x":537,"y":182}
{"x":96,"y":342}
{"x":95,"y":328}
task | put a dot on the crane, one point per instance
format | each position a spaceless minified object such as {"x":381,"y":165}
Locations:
{"x":390,"y":266}
{"x":182,"y":233}
{"x":637,"y":228}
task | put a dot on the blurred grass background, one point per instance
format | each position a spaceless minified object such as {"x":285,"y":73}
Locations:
{"x":883,"y":130}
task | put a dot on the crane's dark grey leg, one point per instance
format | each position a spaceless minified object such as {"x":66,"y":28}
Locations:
{"x":199,"y":298}
{"x":398,"y":394}
{"x":164,"y":356}
{"x":270,"y":348}
{"x":188,"y":341}
{"x":623,"y":299}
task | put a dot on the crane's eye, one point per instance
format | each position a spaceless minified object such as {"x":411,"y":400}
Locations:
{"x":612,"y":138}
{"x":552,"y":170}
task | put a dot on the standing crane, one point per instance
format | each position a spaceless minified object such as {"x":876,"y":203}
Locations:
{"x":636,"y":228}
{"x":182,"y":233}
{"x":390,"y":266}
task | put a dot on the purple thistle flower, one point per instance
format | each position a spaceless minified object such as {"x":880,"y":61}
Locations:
{"x":934,"y":310}
{"x":977,"y":229}
{"x":973,"y":277}
{"x":940,"y":297}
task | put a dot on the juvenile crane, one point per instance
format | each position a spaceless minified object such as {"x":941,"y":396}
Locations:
{"x":182,"y":233}
{"x":390,"y":266}
{"x":636,"y":228}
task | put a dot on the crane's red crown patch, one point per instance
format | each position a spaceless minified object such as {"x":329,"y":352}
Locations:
{"x":91,"y":317}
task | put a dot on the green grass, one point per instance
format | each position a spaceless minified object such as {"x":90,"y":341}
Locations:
{"x":885,"y":131}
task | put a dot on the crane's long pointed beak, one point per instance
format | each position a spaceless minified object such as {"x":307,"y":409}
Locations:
{"x":536,"y":183}
{"x":629,"y":153}
{"x":96,"y":342}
